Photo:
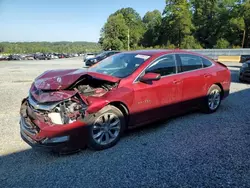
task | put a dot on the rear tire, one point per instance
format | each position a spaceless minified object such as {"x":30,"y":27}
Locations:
{"x":213,"y":99}
{"x":106,"y":128}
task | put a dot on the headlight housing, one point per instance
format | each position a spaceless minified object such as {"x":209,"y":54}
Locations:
{"x":244,"y":65}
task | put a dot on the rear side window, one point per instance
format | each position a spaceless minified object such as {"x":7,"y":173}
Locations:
{"x":206,"y":62}
{"x":190,"y":62}
{"x":165,"y":66}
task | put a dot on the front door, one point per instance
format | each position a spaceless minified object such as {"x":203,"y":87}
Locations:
{"x":157,"y":99}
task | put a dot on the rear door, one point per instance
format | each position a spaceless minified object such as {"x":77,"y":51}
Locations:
{"x":160,"y":98}
{"x":194,"y":82}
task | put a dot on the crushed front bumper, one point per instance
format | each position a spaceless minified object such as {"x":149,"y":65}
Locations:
{"x":39,"y":134}
{"x":45,"y":143}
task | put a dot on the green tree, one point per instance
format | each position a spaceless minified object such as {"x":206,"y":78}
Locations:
{"x":114,"y":33}
{"x":64,"y":47}
{"x":177,"y":21}
{"x":204,"y":19}
{"x":245,"y":13}
{"x":189,"y":42}
{"x":222,"y":43}
{"x":135,"y":28}
{"x":152,"y":22}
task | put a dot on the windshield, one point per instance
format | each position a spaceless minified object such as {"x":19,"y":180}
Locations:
{"x":102,"y":54}
{"x":119,"y":65}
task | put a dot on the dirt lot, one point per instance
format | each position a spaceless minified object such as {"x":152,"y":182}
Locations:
{"x":195,"y":150}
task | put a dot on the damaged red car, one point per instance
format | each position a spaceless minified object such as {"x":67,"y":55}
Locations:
{"x":73,"y":108}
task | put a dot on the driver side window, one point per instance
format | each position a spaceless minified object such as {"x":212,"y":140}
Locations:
{"x":165,"y":66}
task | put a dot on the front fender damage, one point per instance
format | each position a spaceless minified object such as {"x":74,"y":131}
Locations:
{"x":96,"y":105}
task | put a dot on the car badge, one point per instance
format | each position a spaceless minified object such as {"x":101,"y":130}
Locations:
{"x":59,"y":79}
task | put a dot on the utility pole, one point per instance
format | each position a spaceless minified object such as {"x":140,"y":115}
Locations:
{"x":243,"y":40}
{"x":128,"y":39}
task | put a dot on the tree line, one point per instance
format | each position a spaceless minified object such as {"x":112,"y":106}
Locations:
{"x":187,"y":24}
{"x":48,"y":47}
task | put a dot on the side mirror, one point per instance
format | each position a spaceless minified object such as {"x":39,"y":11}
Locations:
{"x":150,"y":77}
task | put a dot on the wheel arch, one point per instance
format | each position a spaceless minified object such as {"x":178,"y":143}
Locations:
{"x":221,"y":87}
{"x":123,"y":107}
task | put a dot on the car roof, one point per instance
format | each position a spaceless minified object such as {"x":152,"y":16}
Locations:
{"x":151,"y":52}
{"x":111,"y":51}
{"x":158,"y":52}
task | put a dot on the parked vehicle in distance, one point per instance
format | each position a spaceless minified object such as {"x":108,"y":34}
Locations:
{"x":88,"y":56}
{"x":42,"y":56}
{"x":99,"y":57}
{"x":3,"y":58}
{"x":29,"y":57}
{"x":244,"y":58}
{"x":69,"y":109}
{"x":15,"y":57}
{"x":37,"y":56}
{"x":244,"y":74}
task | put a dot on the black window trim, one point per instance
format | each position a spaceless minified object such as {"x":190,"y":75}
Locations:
{"x":156,"y":61}
{"x":161,"y":60}
{"x":208,"y":60}
{"x":180,"y":62}
{"x":136,"y":80}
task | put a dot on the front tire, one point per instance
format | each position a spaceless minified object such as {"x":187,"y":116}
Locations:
{"x":106,"y":129}
{"x":213,"y":99}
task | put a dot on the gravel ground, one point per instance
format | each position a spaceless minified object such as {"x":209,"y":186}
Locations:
{"x":195,"y":150}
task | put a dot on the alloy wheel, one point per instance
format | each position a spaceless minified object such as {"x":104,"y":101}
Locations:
{"x":106,"y":128}
{"x":214,"y":99}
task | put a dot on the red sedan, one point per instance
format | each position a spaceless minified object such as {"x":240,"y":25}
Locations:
{"x":69,"y":109}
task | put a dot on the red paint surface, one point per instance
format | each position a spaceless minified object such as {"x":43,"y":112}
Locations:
{"x":49,"y":80}
{"x":145,"y":102}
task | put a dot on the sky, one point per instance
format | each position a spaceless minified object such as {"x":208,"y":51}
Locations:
{"x":62,"y":20}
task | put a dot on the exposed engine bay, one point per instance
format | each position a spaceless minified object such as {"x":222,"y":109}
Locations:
{"x":70,"y":109}
{"x":66,"y":112}
{"x":89,"y":86}
{"x":59,"y":113}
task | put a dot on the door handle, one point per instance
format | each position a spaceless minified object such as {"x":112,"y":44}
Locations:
{"x":177,"y":81}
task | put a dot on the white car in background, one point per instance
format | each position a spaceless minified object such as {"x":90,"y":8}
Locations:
{"x":88,"y":56}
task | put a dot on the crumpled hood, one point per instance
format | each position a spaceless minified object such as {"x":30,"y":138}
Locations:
{"x":62,"y":79}
{"x":52,"y":96}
